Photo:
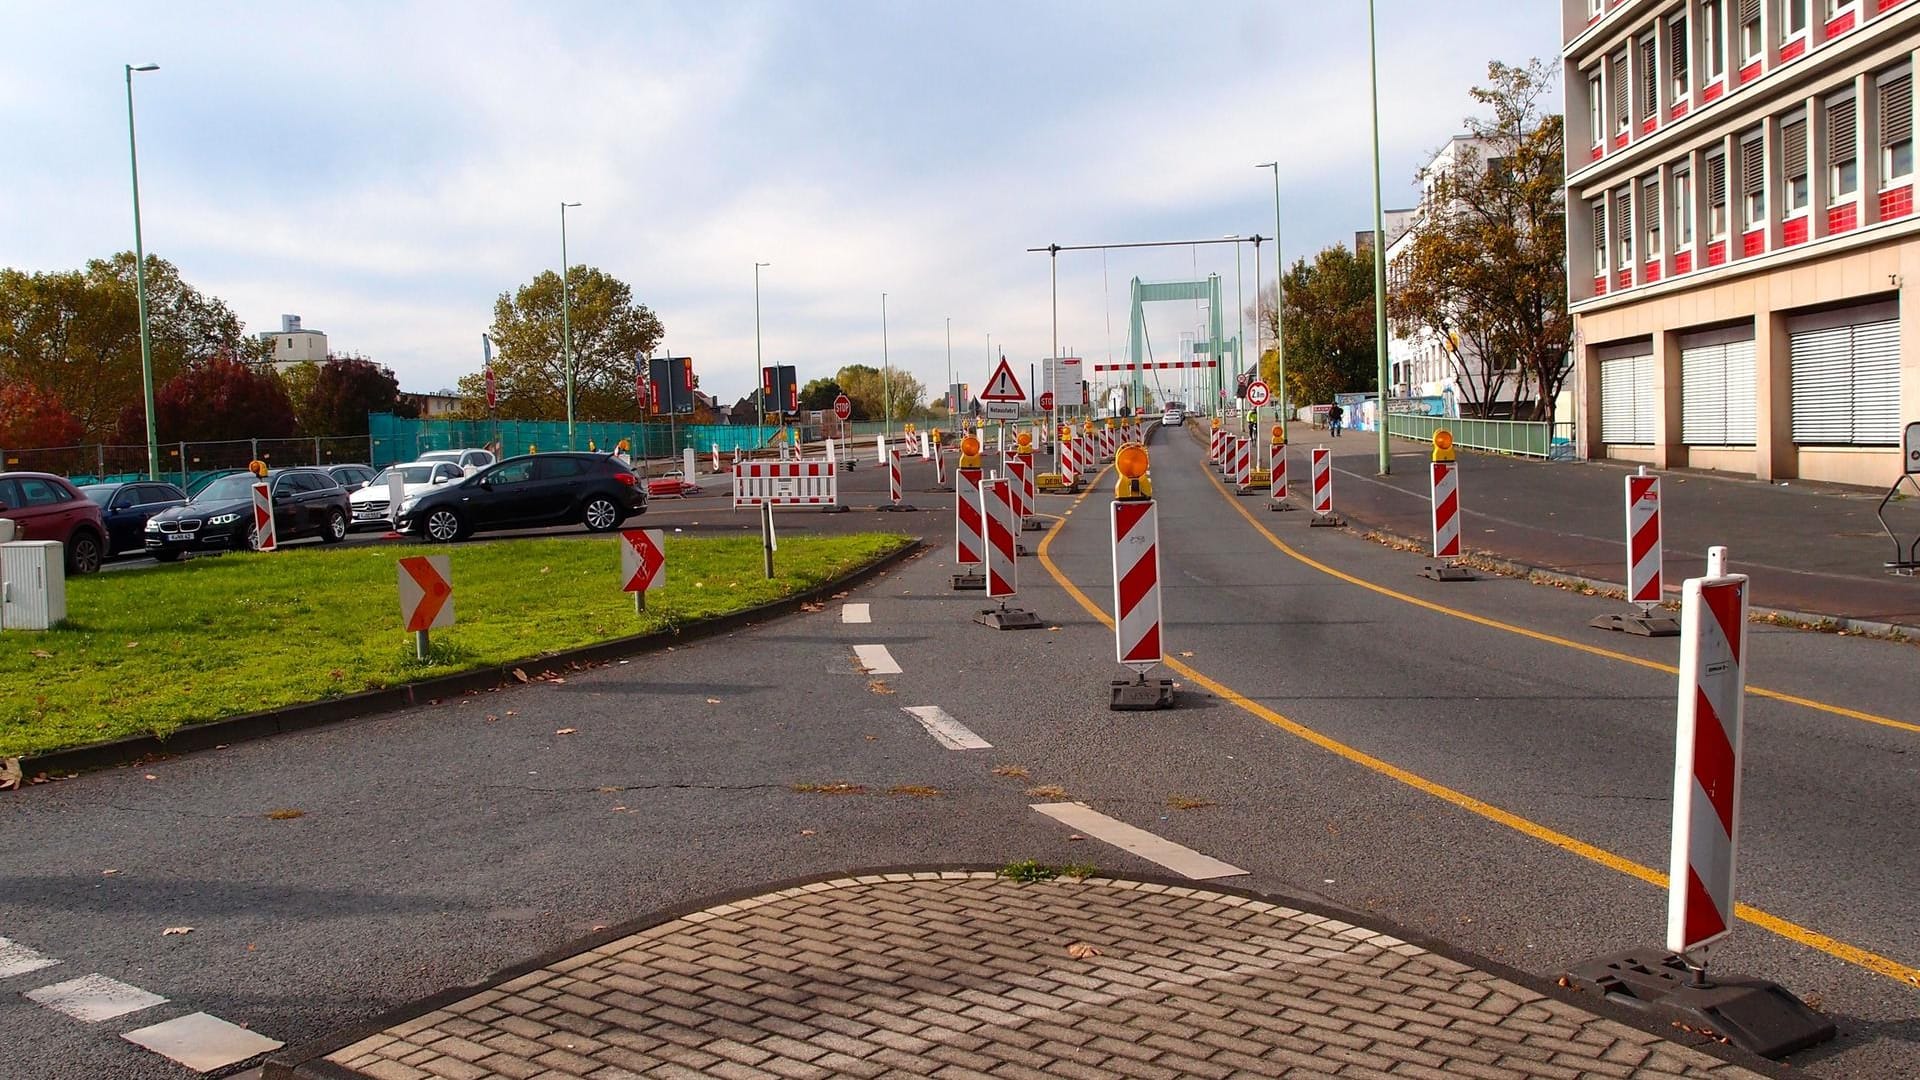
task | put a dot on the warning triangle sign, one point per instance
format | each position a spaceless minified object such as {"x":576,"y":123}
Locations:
{"x":1003,"y":386}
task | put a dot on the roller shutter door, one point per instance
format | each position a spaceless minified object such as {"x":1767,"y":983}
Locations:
{"x":1626,"y":400}
{"x":1716,"y":394}
{"x":1846,"y":384}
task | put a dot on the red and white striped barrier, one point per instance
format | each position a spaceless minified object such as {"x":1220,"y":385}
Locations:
{"x":999,"y":507}
{"x":940,"y":471}
{"x":1020,"y":471}
{"x":1643,"y":539}
{"x":893,"y":477}
{"x":1213,"y":445}
{"x":1277,"y":480}
{"x":1446,"y":509}
{"x":966,"y":522}
{"x":716,"y":458}
{"x":1322,"y":481}
{"x":785,"y":483}
{"x":265,"y":538}
{"x":1243,"y":465}
{"x":1136,"y":584}
{"x":1069,"y":463}
{"x":1106,"y":444}
{"x":879,"y":449}
{"x":1706,"y":775}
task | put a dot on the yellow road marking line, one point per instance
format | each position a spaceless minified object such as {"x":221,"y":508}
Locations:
{"x":1551,"y":639}
{"x":1792,"y":931}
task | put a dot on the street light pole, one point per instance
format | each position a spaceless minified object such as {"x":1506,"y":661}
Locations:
{"x":761,"y":399}
{"x":566,"y":319}
{"x":140,"y":287}
{"x":1379,"y":258}
{"x":886,"y":373}
{"x":947,"y":392}
{"x":1279,"y":298}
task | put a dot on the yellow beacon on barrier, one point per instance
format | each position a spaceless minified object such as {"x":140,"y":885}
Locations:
{"x":1443,"y":445}
{"x":1131,"y":464}
{"x":969,"y":453}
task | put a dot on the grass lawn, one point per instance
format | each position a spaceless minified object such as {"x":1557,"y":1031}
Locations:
{"x":146,"y":651}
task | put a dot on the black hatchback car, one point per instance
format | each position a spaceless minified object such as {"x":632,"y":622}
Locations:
{"x":127,"y":507}
{"x":596,"y":490}
{"x":306,"y":502}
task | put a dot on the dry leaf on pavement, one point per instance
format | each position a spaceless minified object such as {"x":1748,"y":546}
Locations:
{"x":879,"y":686}
{"x":176,"y":931}
{"x":518,"y":674}
{"x":285,"y":814}
{"x":1080,"y":950}
{"x":806,"y":832}
{"x":566,"y":731}
{"x":713,"y":701}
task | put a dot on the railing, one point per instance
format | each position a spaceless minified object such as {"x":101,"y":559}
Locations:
{"x":1523,"y":438}
{"x":183,"y":463}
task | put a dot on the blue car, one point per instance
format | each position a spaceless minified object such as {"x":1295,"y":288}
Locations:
{"x":125,"y":509}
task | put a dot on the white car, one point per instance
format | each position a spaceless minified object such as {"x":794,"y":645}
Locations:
{"x":370,"y":500}
{"x":1172,"y":418}
{"x":470,"y":460}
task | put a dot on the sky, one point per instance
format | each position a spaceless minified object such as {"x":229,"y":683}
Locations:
{"x":386,"y":170}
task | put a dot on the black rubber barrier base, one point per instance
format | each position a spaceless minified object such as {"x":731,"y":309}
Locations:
{"x":969,"y":582}
{"x":1448,"y":572}
{"x":1754,"y":1014}
{"x":1141,"y":695}
{"x":1033,"y":525}
{"x":836,"y":508}
{"x":1006,"y":618}
{"x":1632,"y":622}
{"x":895,"y":508}
{"x":1327,"y":521}
{"x":1281,"y":504}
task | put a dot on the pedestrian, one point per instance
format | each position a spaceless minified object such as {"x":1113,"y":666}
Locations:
{"x":1335,"y":414}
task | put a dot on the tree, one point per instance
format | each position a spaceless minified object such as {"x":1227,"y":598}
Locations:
{"x":1488,"y":259}
{"x":297,"y":381}
{"x":75,"y":334}
{"x":212,"y":401}
{"x":872,"y":390}
{"x":1329,"y":328}
{"x":345,"y":390}
{"x":610,"y":333}
{"x":31,"y":418}
{"x":819,"y":394}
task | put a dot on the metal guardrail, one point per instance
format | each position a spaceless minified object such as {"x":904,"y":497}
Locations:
{"x":1522,"y":438}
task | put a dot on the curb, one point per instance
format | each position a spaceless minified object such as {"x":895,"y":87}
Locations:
{"x":215,"y":734}
{"x":305,"y":1061}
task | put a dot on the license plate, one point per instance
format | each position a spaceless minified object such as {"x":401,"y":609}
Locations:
{"x":179,"y":537}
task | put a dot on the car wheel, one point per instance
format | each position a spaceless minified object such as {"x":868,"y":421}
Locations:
{"x":442,"y":526}
{"x":600,"y":514}
{"x":83,"y":553}
{"x":166,"y":554}
{"x":336,"y":528}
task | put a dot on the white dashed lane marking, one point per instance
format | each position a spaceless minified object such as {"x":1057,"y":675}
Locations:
{"x":876,"y":659}
{"x":93,"y":998}
{"x":1181,"y":860}
{"x":17,"y":959}
{"x":202,"y":1042}
{"x":945,"y":730}
{"x":855,"y":613}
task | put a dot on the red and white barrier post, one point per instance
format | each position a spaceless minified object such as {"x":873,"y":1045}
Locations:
{"x":1707,"y":763}
{"x":1645,"y":576}
{"x":1277,"y":471}
{"x":1136,"y":586}
{"x":999,"y":506}
{"x":1323,"y":514}
{"x":1069,"y":459}
{"x":1444,"y":473}
{"x":643,"y":563}
{"x":968,"y":535}
{"x":894,"y":496}
{"x":264,"y":536}
{"x":1243,"y":466}
{"x":1030,"y":490}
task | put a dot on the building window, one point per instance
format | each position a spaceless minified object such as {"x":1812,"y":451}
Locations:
{"x":1649,"y":78}
{"x":1843,"y":177}
{"x":1596,"y":102}
{"x":1599,"y":209}
{"x":1622,"y":115}
{"x":1623,"y":229}
{"x":1713,"y":42}
{"x":1837,"y":8}
{"x":1896,"y":128}
{"x":1793,"y":18}
{"x":1677,"y":58}
{"x":1793,"y":155}
{"x":1626,"y":400}
{"x":1717,"y":196}
{"x":1682,"y":209}
{"x":1594,"y":8}
{"x":1649,"y":200}
{"x":1753,"y":45}
{"x":1753,"y":181}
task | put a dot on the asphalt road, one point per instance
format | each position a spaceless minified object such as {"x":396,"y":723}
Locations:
{"x":438,"y":844}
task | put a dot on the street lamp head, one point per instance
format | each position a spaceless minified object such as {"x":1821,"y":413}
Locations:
{"x":762,"y":264}
{"x":143,"y":67}
{"x":1268,"y":165}
{"x":564,"y":205}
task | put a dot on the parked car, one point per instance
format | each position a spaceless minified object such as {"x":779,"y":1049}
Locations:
{"x":125,"y":509}
{"x":597,"y":490}
{"x":350,"y":476}
{"x":371,"y":500}
{"x":470,"y":460}
{"x":43,"y":506}
{"x":1172,"y":418}
{"x":306,"y":502}
{"x":199,"y":483}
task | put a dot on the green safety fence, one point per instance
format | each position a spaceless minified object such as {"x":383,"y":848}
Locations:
{"x":396,"y":438}
{"x":1523,"y":438}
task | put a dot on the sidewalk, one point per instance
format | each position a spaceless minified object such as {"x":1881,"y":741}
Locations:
{"x":963,"y":974}
{"x":1810,"y":548}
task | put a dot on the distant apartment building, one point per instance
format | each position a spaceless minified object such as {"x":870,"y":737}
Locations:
{"x":1740,"y":223}
{"x":1395,"y":222}
{"x":1421,"y":362}
{"x":293,"y":345}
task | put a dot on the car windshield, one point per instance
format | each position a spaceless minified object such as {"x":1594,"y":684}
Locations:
{"x":409,"y":474}
{"x":442,"y":455}
{"x":99,"y":493}
{"x":232,"y":488}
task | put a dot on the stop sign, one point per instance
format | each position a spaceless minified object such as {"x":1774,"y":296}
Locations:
{"x":1046,"y":401}
{"x":842,"y":407}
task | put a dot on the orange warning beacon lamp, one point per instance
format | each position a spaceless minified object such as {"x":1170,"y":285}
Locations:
{"x":969,"y":453}
{"x":1443,"y":445}
{"x":1024,"y":441}
{"x":1279,"y":434}
{"x":257,"y":468}
{"x":1131,"y":464}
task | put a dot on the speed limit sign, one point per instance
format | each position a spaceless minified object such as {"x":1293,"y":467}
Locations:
{"x":1257,"y":393}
